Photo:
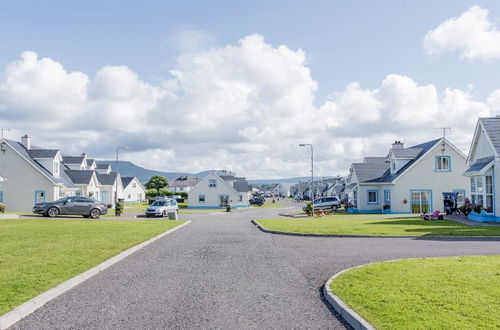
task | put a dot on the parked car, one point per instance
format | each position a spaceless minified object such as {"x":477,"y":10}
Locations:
{"x":87,"y":207}
{"x":161,"y":207}
{"x":257,"y":201}
{"x":331,"y":203}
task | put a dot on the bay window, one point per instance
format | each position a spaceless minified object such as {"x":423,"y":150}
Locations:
{"x":481,"y":188}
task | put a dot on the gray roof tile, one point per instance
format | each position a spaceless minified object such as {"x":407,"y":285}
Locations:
{"x":72,"y":159}
{"x":107,"y":179}
{"x":42,"y":153}
{"x":80,"y":176}
{"x":479,"y":165}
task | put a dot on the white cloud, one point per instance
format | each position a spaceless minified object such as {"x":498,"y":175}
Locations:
{"x":243,"y":107}
{"x":472,"y":34}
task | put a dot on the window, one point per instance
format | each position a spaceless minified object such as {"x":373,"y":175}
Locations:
{"x":393,"y":165}
{"x":212,"y":183}
{"x":1,"y":196}
{"x":387,"y":198}
{"x":488,"y":192}
{"x":240,"y":198}
{"x":372,"y":197}
{"x":421,"y":201}
{"x":129,"y":196}
{"x":201,"y":198}
{"x":443,"y":163}
{"x":134,"y":185}
{"x":55,"y":168}
{"x":460,"y":196}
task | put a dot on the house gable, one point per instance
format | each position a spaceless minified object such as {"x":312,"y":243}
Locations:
{"x":481,"y":146}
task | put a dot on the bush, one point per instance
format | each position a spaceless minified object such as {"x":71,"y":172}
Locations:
{"x":151,"y":193}
{"x":309,"y":209}
{"x":477,"y":208}
{"x":119,"y":209}
{"x":2,"y":208}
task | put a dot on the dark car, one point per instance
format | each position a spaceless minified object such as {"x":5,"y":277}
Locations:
{"x":87,"y":207}
{"x":257,"y":201}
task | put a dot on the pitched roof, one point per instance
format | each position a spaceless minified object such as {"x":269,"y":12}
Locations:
{"x":492,"y":128}
{"x":101,"y":166}
{"x":80,"y":176}
{"x":366,"y":172}
{"x":126,"y":180}
{"x":184,"y":181}
{"x":242,"y":186}
{"x":90,"y":161}
{"x":479,"y":164}
{"x":107,"y":179}
{"x":73,"y":159}
{"x":42,"y":153}
{"x":421,"y":148}
{"x":411,"y":152}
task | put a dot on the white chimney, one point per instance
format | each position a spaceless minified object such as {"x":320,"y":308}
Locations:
{"x":25,"y":140}
{"x":398,"y":145}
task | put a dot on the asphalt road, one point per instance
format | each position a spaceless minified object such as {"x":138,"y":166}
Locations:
{"x":221,"y":272}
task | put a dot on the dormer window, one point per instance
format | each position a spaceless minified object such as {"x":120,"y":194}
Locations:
{"x":393,"y":166}
{"x":55,"y":169}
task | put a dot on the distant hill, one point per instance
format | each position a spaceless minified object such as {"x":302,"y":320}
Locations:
{"x":127,"y":168}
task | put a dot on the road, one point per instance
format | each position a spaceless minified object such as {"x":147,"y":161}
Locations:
{"x":221,"y":272}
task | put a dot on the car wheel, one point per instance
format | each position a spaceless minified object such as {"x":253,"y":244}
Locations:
{"x":95,"y":213}
{"x":53,"y":212}
{"x":334,"y":208}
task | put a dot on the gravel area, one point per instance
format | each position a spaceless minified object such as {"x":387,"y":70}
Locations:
{"x":221,"y":272}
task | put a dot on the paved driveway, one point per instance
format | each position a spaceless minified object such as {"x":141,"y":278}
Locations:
{"x":221,"y":272}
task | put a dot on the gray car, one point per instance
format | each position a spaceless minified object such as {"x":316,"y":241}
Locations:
{"x":87,"y":207}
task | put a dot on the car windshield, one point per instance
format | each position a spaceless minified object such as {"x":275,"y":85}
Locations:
{"x":159,"y":203}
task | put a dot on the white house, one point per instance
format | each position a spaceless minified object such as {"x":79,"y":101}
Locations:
{"x":133,"y":190}
{"x":111,"y":187}
{"x":410,"y":180}
{"x":103,"y":168}
{"x":483,"y":172}
{"x":182,"y":184}
{"x":216,"y":191}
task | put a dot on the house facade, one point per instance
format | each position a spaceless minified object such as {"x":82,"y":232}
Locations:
{"x":133,"y":190}
{"x":216,"y":191}
{"x":483,"y":170}
{"x":410,"y":180}
{"x":40,"y":175}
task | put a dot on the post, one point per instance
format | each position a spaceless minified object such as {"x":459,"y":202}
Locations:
{"x":312,"y":173}
{"x":116,"y":170}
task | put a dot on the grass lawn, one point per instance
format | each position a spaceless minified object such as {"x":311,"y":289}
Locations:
{"x":36,"y":255}
{"x":377,"y":225}
{"x":435,"y":293}
{"x":269,"y":205}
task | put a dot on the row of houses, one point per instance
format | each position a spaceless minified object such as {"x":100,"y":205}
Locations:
{"x":321,"y":188}
{"x":413,"y":179}
{"x":32,"y":174}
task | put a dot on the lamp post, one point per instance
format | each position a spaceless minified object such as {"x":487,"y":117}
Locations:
{"x":312,"y":172}
{"x":116,"y":170}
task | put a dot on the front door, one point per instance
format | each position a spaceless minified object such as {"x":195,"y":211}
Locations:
{"x":387,"y":199}
{"x":223,"y":201}
{"x":39,"y":196}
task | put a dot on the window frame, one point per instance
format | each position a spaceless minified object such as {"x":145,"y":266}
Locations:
{"x":212,"y":183}
{"x":368,"y":197}
{"x":439,"y":162}
{"x":200,"y":198}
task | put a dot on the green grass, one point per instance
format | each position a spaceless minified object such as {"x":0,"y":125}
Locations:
{"x":436,"y":293}
{"x":270,"y":205}
{"x":377,"y":225}
{"x":36,"y":255}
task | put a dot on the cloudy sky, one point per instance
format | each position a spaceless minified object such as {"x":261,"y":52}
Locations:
{"x":190,"y":86}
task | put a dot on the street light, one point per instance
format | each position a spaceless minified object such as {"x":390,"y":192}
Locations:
{"x":312,"y":172}
{"x":116,"y":170}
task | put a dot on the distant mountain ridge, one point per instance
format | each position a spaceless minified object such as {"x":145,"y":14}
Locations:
{"x":128,"y":168}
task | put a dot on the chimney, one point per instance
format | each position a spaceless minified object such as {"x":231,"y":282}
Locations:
{"x":25,"y":140}
{"x":397,"y":145}
{"x":84,"y":155}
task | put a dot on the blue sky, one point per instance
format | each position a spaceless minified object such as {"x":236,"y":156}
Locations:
{"x":205,"y":84}
{"x":344,"y":40}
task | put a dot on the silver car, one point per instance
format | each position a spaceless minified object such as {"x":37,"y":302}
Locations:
{"x":86,"y":207}
{"x":162,"y":207}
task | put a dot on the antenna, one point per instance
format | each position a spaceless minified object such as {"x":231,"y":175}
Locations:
{"x":444,"y":130}
{"x":444,"y":136}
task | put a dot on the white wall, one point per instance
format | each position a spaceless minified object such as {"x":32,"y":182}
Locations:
{"x":134,"y":194}
{"x":483,"y":148}
{"x":212,"y":194}
{"x":423,"y":176}
{"x":22,"y":181}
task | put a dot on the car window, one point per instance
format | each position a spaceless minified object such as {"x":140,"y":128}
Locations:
{"x":159,"y":203}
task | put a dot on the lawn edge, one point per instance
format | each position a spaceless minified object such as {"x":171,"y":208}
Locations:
{"x":451,"y":238}
{"x":349,"y":315}
{"x":23,"y":310}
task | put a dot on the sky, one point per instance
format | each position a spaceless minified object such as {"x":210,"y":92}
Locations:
{"x":196,"y":85}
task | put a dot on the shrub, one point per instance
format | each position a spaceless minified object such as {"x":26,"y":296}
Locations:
{"x":2,"y":208}
{"x":309,"y":209}
{"x":151,"y":193}
{"x":477,"y":208}
{"x":119,"y":209}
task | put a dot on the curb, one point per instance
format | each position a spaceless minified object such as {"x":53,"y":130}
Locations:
{"x":350,"y":316}
{"x":23,"y":310}
{"x":449,"y":238}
